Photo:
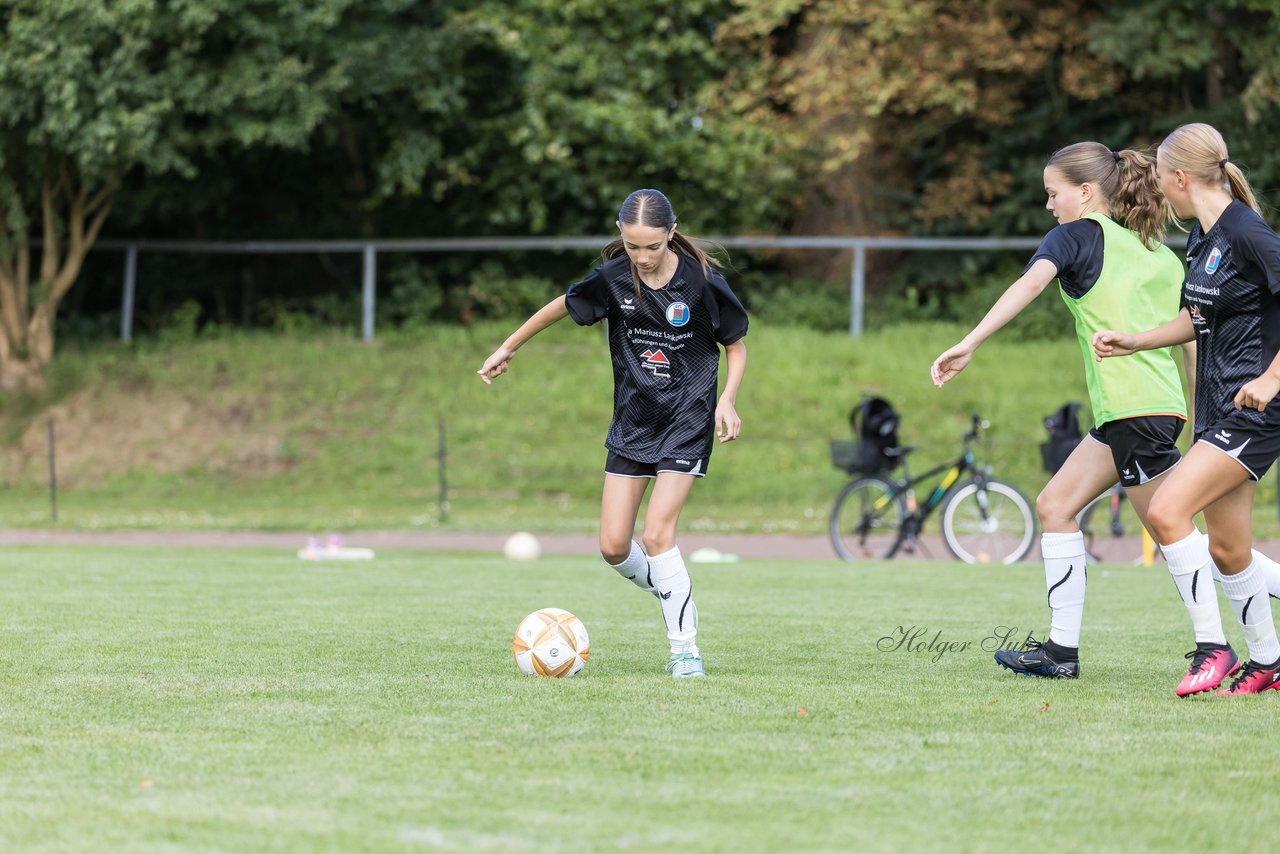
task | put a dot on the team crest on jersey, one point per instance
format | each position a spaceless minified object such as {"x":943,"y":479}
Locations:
{"x":656,"y":362}
{"x":677,"y":314}
{"x":1215,"y":258}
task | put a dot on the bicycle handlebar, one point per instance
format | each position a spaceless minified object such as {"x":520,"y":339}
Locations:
{"x":979,"y":423}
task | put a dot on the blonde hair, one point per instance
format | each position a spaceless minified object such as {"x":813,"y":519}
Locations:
{"x":1200,"y":151}
{"x":1127,"y":179}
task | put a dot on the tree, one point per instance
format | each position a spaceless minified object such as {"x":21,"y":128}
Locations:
{"x":452,"y":117}
{"x":894,"y":101}
{"x":95,"y":94}
{"x":93,"y":91}
{"x":933,"y":116}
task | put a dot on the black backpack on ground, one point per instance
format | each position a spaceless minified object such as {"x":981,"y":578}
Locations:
{"x":1064,"y":434}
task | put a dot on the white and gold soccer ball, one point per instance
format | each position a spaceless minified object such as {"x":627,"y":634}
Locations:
{"x":551,"y":642}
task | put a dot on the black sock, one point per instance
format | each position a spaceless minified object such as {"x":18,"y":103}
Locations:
{"x":1062,"y":653}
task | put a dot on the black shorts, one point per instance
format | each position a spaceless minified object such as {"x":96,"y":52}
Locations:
{"x":1143,"y":448}
{"x":1254,"y":446}
{"x":622,"y":467}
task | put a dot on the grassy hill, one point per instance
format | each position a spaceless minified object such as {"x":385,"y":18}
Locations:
{"x":327,"y":433}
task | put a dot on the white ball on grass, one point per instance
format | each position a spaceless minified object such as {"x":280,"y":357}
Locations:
{"x":551,"y":642}
{"x":522,"y":546}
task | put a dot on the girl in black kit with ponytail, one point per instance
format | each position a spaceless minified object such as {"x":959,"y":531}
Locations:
{"x":669,"y":312}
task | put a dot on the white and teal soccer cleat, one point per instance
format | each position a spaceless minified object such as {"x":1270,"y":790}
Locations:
{"x":685,"y":665}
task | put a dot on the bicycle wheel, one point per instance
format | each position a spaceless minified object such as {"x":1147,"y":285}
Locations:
{"x":1112,"y":536}
{"x":988,"y":524}
{"x":866,"y":519}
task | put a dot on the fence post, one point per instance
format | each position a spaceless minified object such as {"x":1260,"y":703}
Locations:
{"x":443,"y":451}
{"x":53,"y":471}
{"x":130,"y":288}
{"x":370,"y":277}
{"x":858,"y":289}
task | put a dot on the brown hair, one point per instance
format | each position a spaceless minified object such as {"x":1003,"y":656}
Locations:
{"x":1200,"y":151}
{"x":1128,"y":181}
{"x":651,"y":208}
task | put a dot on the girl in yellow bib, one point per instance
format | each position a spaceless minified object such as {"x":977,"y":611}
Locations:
{"x":1107,"y":256}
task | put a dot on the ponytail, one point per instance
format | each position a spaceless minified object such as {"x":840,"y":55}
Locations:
{"x":1126,"y":179}
{"x":1239,"y":185}
{"x":1138,"y":201}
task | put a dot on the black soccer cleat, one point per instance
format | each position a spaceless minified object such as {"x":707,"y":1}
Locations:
{"x":1036,"y":660}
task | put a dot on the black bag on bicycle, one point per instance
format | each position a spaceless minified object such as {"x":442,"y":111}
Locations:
{"x":1064,"y":435}
{"x":875,"y":426}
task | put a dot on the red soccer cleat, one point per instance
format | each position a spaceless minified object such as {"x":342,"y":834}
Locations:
{"x":1253,"y":679}
{"x":1210,"y":664}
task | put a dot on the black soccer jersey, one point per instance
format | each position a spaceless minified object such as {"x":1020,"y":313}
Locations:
{"x":1233,"y":294}
{"x":665,"y":355}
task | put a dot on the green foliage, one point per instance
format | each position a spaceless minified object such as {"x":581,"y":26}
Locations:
{"x":103,"y":89}
{"x":806,"y":303}
{"x":938,"y":118}
{"x":180,"y":325}
{"x":479,"y":118}
{"x":962,"y":292}
{"x":493,"y":294}
{"x":415,"y":297}
{"x":235,"y":118}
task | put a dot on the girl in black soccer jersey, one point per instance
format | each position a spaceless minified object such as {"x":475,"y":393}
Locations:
{"x":669,"y":311}
{"x":1107,"y":257}
{"x":1231,"y":309}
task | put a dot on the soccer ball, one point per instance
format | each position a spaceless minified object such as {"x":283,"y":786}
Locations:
{"x":522,"y":546}
{"x":551,"y":642}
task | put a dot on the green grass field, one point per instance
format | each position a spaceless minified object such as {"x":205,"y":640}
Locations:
{"x":172,"y":700}
{"x":323,"y":432}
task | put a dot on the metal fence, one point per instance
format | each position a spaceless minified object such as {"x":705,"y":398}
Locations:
{"x":370,"y":249}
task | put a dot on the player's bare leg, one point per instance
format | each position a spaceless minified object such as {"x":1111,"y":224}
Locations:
{"x":1209,"y":480}
{"x":1087,"y":473}
{"x":619,"y":505}
{"x":1229,"y":520}
{"x":1213,"y":659}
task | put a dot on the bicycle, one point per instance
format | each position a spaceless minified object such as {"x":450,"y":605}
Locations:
{"x":1117,"y":539}
{"x":984,"y":520}
{"x":1117,"y":542}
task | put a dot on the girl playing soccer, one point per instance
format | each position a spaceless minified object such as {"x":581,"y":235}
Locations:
{"x":1231,"y":309}
{"x":1107,"y":256}
{"x":668,"y":311}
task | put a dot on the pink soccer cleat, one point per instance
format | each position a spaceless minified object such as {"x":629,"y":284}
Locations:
{"x":1210,"y":664}
{"x":1253,"y":679}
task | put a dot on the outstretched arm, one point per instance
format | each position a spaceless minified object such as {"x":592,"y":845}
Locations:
{"x":728,"y":425}
{"x":1109,"y":342}
{"x":497,"y":364}
{"x":1017,"y":297}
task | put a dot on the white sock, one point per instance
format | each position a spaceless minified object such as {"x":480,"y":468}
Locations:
{"x":675,"y":592}
{"x":635,"y":568}
{"x":1193,"y":573}
{"x":1247,"y":591}
{"x":1065,"y":575}
{"x":1270,"y":572}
